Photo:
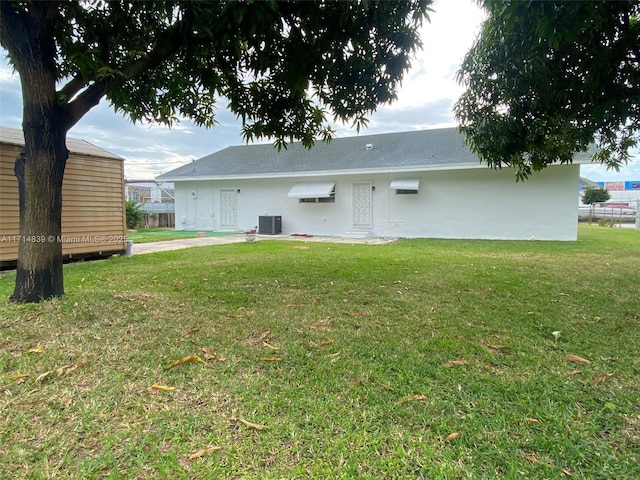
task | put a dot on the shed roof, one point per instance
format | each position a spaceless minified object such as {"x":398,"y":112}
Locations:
{"x":13,"y":136}
{"x":436,"y":149}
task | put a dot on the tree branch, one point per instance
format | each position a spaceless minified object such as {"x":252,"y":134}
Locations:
{"x":168,"y":44}
{"x":74,"y":85}
{"x":13,"y":30}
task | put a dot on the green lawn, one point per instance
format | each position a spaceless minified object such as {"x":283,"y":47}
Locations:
{"x":146,"y":235}
{"x":420,"y":359}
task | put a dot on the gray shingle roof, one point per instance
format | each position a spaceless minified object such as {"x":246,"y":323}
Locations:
{"x":436,"y":149}
{"x":424,"y":148}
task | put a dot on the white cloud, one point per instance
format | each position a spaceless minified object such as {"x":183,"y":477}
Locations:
{"x":446,"y":38}
{"x":598,"y":173}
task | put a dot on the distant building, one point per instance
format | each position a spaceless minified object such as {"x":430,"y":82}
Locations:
{"x":157,"y":199}
{"x":624,"y":192}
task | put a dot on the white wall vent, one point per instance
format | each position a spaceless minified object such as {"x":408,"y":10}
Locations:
{"x":369,"y":146}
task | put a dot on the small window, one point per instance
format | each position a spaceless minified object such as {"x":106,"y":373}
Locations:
{"x":403,"y":191}
{"x":330,"y":199}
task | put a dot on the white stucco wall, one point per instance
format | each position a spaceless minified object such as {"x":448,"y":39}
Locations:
{"x":473,"y":203}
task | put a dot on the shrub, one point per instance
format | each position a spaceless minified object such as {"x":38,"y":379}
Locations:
{"x":134,"y":214}
{"x":595,"y":195}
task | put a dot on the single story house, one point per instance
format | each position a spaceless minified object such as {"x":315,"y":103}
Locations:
{"x":409,"y":184}
{"x":93,"y":213}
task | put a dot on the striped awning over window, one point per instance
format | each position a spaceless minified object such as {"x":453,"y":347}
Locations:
{"x":311,"y":190}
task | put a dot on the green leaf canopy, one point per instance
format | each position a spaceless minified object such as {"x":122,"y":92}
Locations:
{"x":282,"y":66}
{"x":545,"y":79}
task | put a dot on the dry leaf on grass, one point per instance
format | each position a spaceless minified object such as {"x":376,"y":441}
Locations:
{"x":602,"y":377}
{"x":531,"y":457}
{"x":182,"y":361}
{"x":386,"y":386}
{"x":452,"y":363}
{"x":188,"y":333}
{"x":270,"y":347}
{"x":208,"y":353}
{"x":35,"y":350}
{"x":155,"y":388}
{"x":259,"y":339}
{"x":418,"y":398}
{"x":252,"y":426}
{"x":532,"y":420}
{"x":496,"y":347}
{"x":18,"y":376}
{"x":203,"y":452}
{"x":327,"y":341}
{"x":270,"y":359}
{"x":575,"y":358}
{"x":90,"y":445}
{"x":42,"y":377}
{"x":452,"y":436}
{"x":69,"y":368}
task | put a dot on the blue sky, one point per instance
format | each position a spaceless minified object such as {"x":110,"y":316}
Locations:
{"x":425,"y":101}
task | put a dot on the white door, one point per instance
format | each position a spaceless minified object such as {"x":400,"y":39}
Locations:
{"x":362,"y":205}
{"x":227,"y":209}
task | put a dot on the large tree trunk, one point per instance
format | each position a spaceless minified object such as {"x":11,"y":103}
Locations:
{"x":40,"y":166}
{"x":40,"y":169}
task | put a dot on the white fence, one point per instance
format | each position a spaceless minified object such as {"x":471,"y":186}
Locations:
{"x":620,"y":212}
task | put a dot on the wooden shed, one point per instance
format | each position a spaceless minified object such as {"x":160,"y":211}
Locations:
{"x":93,"y":210}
